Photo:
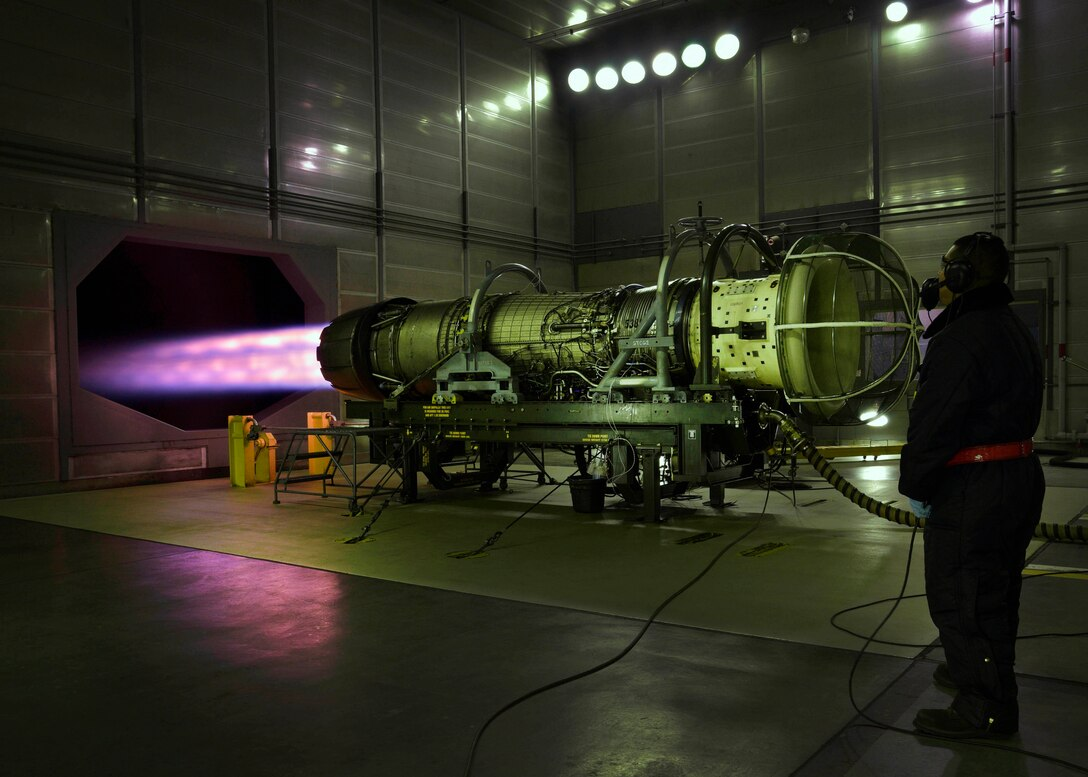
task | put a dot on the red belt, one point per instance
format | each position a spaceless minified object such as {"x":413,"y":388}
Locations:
{"x":1000,"y":452}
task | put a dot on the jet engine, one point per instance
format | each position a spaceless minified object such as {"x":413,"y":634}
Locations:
{"x":668,"y":375}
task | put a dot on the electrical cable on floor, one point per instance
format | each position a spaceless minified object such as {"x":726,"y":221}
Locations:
{"x":872,"y":722}
{"x":1053,"y":532}
{"x":630,"y":646}
{"x":374,"y":492}
{"x":890,"y":643}
{"x":462,"y":554}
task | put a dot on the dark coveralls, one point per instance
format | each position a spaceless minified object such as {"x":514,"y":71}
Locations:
{"x":981,"y":383}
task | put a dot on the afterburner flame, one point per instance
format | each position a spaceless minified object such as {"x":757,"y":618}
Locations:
{"x":234,"y":361}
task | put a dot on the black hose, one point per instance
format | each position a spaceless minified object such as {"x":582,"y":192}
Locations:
{"x":802,"y":444}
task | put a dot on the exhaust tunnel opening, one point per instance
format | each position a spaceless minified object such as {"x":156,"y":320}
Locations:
{"x":191,"y":305}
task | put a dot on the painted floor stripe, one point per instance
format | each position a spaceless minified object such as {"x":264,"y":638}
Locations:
{"x":1071,"y":573}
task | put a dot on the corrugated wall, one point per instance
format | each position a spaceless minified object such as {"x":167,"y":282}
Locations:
{"x":397,"y":132}
{"x":905,"y":120}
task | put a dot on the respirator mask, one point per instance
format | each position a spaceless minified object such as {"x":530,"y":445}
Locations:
{"x":930,"y":293}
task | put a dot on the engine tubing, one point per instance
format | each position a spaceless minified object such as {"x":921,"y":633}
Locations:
{"x":802,"y":444}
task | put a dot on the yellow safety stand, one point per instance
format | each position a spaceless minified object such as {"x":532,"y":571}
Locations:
{"x":320,"y":420}
{"x":251,"y":452}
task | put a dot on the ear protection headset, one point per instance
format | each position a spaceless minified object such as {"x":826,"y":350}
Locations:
{"x":960,"y":274}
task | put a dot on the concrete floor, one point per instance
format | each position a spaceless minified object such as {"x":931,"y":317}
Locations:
{"x":194,"y":628}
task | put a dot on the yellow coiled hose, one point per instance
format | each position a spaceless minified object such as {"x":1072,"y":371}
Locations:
{"x":803,"y":445}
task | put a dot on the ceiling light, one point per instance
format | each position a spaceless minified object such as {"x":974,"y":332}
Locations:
{"x":727,"y":46}
{"x":693,"y":55}
{"x":880,"y":420}
{"x":799,"y":35}
{"x":664,"y":64}
{"x":607,"y":78}
{"x":578,"y":80}
{"x":896,"y":12}
{"x":541,"y":88}
{"x":909,"y":32}
{"x":633,"y":72}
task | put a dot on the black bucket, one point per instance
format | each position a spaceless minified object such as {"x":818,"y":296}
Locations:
{"x":587,"y":494}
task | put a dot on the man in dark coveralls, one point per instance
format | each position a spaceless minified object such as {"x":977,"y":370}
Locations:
{"x":968,"y":468}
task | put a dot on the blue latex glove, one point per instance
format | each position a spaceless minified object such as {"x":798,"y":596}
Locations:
{"x":921,"y":509}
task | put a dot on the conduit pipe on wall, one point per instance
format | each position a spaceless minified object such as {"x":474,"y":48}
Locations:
{"x":1060,"y":315}
{"x":1010,"y":156}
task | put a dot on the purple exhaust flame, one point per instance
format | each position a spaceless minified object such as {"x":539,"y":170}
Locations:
{"x":276,"y":359}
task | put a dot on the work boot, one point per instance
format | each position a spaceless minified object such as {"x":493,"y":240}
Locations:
{"x":943,"y":678}
{"x":949,"y":723}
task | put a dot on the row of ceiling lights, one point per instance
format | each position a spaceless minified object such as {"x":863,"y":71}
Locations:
{"x":663,"y":64}
{"x":693,"y":56}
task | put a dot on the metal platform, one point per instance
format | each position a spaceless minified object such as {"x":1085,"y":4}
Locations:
{"x":339,"y":447}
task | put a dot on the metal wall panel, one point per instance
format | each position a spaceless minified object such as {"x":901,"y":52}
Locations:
{"x":205,"y":117}
{"x":937,"y":102}
{"x":615,"y":153}
{"x":28,"y":390}
{"x":484,"y":259}
{"x":1052,"y":96}
{"x":95,"y":32}
{"x":321,"y":233}
{"x":26,"y":330}
{"x":27,"y":418}
{"x":420,"y":54}
{"x":29,"y":461}
{"x":26,"y":286}
{"x":423,"y":269}
{"x":83,"y":68}
{"x":499,"y":133}
{"x":183,"y":212}
{"x":188,"y":128}
{"x":46,"y":191}
{"x":817,"y":120}
{"x":358,"y":279}
{"x":229,"y":31}
{"x":552,"y":158}
{"x":710,"y":148}
{"x":28,"y":374}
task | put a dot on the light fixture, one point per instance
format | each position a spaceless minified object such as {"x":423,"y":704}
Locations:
{"x":693,"y":55}
{"x":973,"y":2}
{"x":727,"y":46}
{"x":664,"y":63}
{"x":909,"y":32}
{"x":878,"y":421}
{"x":896,"y":12}
{"x":540,"y":87}
{"x":578,"y":80}
{"x":799,"y":35}
{"x":633,"y":72}
{"x":607,"y":78}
